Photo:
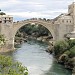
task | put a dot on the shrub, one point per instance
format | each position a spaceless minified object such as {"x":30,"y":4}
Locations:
{"x":72,"y":52}
{"x":8,"y":67}
{"x":71,"y":43}
{"x":60,"y":47}
{"x":67,"y":52}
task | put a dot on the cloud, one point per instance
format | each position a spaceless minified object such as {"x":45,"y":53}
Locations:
{"x":34,"y":8}
{"x":43,"y":14}
{"x":28,"y":14}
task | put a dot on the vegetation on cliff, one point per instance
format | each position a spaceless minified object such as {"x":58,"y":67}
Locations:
{"x":2,"y":40}
{"x":64,"y":51}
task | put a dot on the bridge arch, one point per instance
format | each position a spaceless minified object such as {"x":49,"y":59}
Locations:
{"x":18,"y":25}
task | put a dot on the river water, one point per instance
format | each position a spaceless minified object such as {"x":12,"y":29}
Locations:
{"x":32,"y":54}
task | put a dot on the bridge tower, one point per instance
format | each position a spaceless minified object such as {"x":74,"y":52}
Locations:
{"x":71,"y":11}
{"x":6,"y":29}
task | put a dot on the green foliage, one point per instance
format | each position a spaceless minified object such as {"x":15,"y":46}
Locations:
{"x":8,"y":67}
{"x":71,"y":43}
{"x":2,"y":40}
{"x":38,"y":30}
{"x":72,"y":52}
{"x":65,"y":47}
{"x":71,"y":48}
{"x":2,"y":13}
{"x":60,"y":47}
{"x":67,"y":52}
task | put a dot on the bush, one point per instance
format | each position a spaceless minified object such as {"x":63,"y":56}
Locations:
{"x":72,"y":52}
{"x":67,"y":52}
{"x":71,"y":43}
{"x":8,"y":67}
{"x":60,"y":47}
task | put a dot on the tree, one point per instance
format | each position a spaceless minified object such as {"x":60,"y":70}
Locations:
{"x":9,"y":67}
{"x":60,"y":47}
{"x":37,"y":30}
{"x":72,"y":52}
{"x":44,"y":19}
{"x":2,"y":13}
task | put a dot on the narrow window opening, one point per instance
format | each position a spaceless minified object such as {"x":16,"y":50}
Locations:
{"x":0,"y":21}
{"x":4,"y":21}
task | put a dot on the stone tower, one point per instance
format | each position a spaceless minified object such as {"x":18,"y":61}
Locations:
{"x":71,"y":11}
{"x":6,"y":25}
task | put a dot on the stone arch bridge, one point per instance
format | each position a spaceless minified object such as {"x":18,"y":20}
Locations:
{"x":59,"y":26}
{"x":18,"y":25}
{"x":10,"y":29}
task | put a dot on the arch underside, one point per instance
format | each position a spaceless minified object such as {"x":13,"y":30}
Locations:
{"x":17,"y":26}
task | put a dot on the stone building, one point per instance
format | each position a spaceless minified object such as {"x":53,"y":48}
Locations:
{"x":65,"y":23}
{"x":6,"y":27}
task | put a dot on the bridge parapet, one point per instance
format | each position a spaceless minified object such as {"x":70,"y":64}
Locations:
{"x":30,"y":21}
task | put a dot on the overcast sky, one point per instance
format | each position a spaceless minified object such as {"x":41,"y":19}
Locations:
{"x":25,"y":9}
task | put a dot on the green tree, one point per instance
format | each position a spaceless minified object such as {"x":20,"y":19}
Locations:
{"x":37,"y":30}
{"x":2,"y":13}
{"x":9,"y":67}
{"x":71,"y":43}
{"x":60,"y":47}
{"x":72,"y":52}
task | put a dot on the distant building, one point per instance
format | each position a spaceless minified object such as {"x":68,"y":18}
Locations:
{"x":66,"y":22}
{"x":6,"y":19}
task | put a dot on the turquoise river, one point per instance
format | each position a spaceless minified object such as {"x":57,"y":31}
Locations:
{"x":32,"y":54}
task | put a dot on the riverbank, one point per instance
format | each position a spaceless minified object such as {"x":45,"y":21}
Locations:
{"x":20,"y":40}
{"x":32,"y":55}
{"x":60,"y":58}
{"x":3,"y":50}
{"x":64,"y":52}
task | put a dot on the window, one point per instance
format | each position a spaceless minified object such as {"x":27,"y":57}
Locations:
{"x":5,"y":21}
{"x":9,"y":20}
{"x":70,"y":21}
{"x":67,"y":21}
{"x":0,"y":21}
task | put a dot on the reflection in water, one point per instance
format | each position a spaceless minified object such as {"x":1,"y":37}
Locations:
{"x":32,"y":54}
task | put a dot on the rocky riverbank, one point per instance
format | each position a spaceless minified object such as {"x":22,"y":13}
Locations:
{"x":64,"y":52}
{"x":60,"y":51}
{"x":20,"y":40}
